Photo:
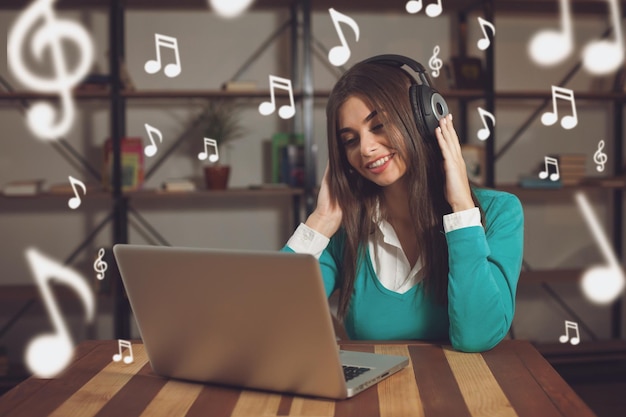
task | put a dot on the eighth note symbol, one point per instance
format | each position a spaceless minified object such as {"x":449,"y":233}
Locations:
{"x":99,"y":265}
{"x":432,"y":10}
{"x":566,"y":337}
{"x":151,"y":150}
{"x":484,"y":132}
{"x":600,"y":157}
{"x":550,"y":118}
{"x":484,"y":42}
{"x":339,"y":55}
{"x":268,"y":107}
{"x":75,"y":201}
{"x":215,"y":156}
{"x":435,"y":63}
{"x":118,"y":356}
{"x":154,"y":65}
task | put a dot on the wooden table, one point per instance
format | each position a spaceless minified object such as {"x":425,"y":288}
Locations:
{"x":511,"y":380}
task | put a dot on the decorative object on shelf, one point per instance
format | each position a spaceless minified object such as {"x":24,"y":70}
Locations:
{"x":23,"y":187}
{"x":178,"y":185}
{"x":467,"y":73}
{"x":132,"y":162}
{"x":288,"y":159}
{"x":474,"y":157}
{"x":220,"y":124}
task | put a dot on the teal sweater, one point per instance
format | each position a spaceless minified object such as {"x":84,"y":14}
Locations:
{"x":484,"y":269}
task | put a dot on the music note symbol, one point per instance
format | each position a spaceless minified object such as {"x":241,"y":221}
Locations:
{"x":49,"y":354}
{"x":549,"y":47}
{"x":215,"y":156}
{"x":605,"y":56}
{"x":154,"y":65}
{"x":602,"y":284}
{"x":268,"y":107}
{"x":51,"y":35}
{"x":483,"y":43}
{"x":484,"y":132}
{"x":118,"y":356}
{"x":432,"y":10}
{"x":600,"y":157}
{"x":549,"y":161}
{"x":99,"y":265}
{"x":339,"y":55}
{"x":573,"y":340}
{"x":75,"y":201}
{"x":435,"y":63}
{"x":151,"y":149}
{"x":567,"y":122}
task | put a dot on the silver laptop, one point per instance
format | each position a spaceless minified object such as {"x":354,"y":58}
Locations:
{"x":248,"y":319}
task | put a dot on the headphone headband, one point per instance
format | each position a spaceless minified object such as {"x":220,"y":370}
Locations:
{"x":398,"y":61}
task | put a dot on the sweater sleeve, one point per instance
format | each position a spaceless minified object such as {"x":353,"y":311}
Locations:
{"x":329,"y":260}
{"x":484,"y":269}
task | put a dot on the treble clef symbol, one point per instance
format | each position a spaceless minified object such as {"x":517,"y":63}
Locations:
{"x":48,"y":32}
{"x":435,"y":63}
{"x":99,"y":265}
{"x":600,"y":157}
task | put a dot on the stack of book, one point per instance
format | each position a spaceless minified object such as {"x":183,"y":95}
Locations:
{"x":23,"y":187}
{"x":571,"y":168}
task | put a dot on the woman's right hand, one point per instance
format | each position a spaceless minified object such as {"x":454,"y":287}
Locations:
{"x":326,"y":218}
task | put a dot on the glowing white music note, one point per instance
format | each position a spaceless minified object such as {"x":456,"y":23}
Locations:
{"x":602,"y":284}
{"x":339,"y":55}
{"x":154,"y":65}
{"x":99,"y":265}
{"x":75,"y":201}
{"x":268,"y":107}
{"x":48,"y":41}
{"x":567,"y":122}
{"x":118,"y":356}
{"x":151,"y":149}
{"x":566,"y":337}
{"x":483,"y":43}
{"x":484,"y":132}
{"x":435,"y":63}
{"x":230,"y":8}
{"x":432,"y":10}
{"x":49,"y":354}
{"x":215,"y":156}
{"x":604,"y":56}
{"x":600,"y":157}
{"x":549,"y":47}
{"x":549,"y":161}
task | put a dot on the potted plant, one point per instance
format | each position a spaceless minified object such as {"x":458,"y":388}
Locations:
{"x":220,"y":124}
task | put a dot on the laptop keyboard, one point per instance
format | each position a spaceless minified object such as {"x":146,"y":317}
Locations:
{"x":351,"y":372}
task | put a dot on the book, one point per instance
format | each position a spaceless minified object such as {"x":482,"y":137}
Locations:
{"x":239,"y":86}
{"x":23,"y":187}
{"x":292,"y":165}
{"x":178,"y":185}
{"x":131,"y":160}
{"x":279,"y":158}
{"x":536,"y":182}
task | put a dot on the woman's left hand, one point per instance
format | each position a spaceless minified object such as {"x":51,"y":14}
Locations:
{"x":457,"y":190}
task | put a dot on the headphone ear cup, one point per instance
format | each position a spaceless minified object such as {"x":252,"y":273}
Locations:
{"x":428,"y":107}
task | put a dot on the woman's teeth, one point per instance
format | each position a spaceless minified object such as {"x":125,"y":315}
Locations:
{"x":379,"y":162}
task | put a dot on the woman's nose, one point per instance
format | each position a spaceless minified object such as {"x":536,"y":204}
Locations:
{"x":368,"y":144}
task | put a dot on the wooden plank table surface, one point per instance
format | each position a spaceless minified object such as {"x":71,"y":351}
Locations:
{"x":511,"y":380}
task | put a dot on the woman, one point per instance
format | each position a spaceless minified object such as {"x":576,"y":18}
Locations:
{"x":414,"y":251}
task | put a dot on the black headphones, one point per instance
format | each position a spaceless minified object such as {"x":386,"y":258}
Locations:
{"x":427,"y":104}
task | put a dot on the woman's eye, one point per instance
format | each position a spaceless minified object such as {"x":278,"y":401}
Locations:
{"x":377,"y":127}
{"x":349,"y":141}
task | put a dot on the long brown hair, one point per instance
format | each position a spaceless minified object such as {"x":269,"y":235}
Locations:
{"x":385,"y":89}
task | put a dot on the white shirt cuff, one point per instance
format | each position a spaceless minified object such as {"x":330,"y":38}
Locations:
{"x":307,"y":240}
{"x":461,"y":219}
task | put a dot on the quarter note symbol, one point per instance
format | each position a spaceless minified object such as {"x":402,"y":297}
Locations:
{"x":549,"y":47}
{"x":432,"y":10}
{"x":605,"y":56}
{"x":602,"y":284}
{"x":566,"y":337}
{"x":550,"y":118}
{"x":75,"y":201}
{"x":118,"y":356}
{"x":268,"y":107}
{"x":549,"y":161}
{"x":49,"y":354}
{"x":435,"y":63}
{"x":215,"y":156}
{"x":99,"y":265}
{"x":151,"y":149}
{"x":483,"y":43}
{"x":154,"y":65}
{"x":600,"y":157}
{"x":339,"y":55}
{"x":39,"y":28}
{"x":484,"y":132}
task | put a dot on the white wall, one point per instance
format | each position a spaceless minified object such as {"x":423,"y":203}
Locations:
{"x":211,"y":51}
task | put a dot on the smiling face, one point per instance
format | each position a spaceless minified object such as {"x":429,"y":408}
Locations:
{"x":364,"y":138}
